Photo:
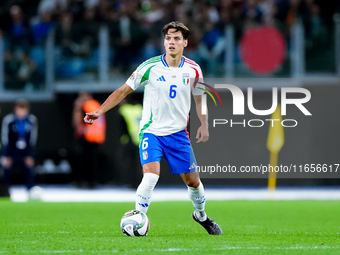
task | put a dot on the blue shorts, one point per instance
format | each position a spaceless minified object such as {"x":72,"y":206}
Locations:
{"x":176,"y":149}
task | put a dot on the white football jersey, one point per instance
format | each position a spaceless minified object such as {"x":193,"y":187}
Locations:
{"x":167,"y":94}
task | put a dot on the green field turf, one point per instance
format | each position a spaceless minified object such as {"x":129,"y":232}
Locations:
{"x":250,"y":227}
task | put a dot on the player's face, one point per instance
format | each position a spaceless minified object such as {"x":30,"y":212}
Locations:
{"x":174,"y":42}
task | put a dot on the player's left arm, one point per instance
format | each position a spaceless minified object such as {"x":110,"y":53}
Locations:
{"x":203,"y":131}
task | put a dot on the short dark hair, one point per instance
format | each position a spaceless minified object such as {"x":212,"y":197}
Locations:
{"x":22,"y":103}
{"x":179,"y":27}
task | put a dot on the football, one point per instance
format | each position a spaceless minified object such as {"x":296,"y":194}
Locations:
{"x":135,"y":223}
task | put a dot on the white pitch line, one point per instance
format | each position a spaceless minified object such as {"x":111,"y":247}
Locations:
{"x":69,"y":194}
{"x":184,"y":249}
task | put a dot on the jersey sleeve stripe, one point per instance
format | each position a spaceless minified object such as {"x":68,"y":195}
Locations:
{"x":190,"y":62}
{"x":196,"y":77}
{"x":150,"y":61}
{"x":146,"y":74}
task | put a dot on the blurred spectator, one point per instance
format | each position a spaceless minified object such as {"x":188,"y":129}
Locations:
{"x":308,"y":11}
{"x":211,"y":49}
{"x":327,"y":9}
{"x":128,"y":37}
{"x":20,"y":73}
{"x":274,"y":12}
{"x":43,"y":26}
{"x":89,"y":138}
{"x":251,"y":14}
{"x":106,"y":12}
{"x":18,"y":139}
{"x":210,"y":13}
{"x":55,"y":6}
{"x":230,"y":14}
{"x":317,"y":29}
{"x":27,"y":73}
{"x":76,"y":7}
{"x":18,"y":33}
{"x":293,"y":12}
{"x":67,"y":36}
{"x":153,"y":12}
{"x":11,"y":66}
{"x":337,"y":8}
{"x":229,"y":10}
{"x":89,"y":28}
{"x":267,"y":8}
{"x":280,"y":10}
{"x":89,"y":4}
{"x":316,"y":25}
{"x":69,"y":48}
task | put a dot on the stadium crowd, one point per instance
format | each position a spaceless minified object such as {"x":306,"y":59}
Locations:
{"x":134,"y":27}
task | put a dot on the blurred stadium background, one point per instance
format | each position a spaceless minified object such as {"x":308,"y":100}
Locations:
{"x":52,"y":49}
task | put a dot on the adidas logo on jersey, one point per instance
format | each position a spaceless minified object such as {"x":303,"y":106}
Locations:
{"x":193,"y":166}
{"x":161,"y":78}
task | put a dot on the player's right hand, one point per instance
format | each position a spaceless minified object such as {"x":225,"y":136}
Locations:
{"x":90,"y":117}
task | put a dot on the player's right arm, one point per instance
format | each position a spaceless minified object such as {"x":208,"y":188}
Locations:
{"x":115,"y":98}
{"x":138,"y":78}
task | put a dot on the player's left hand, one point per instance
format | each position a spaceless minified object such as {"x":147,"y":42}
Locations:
{"x":202,"y":134}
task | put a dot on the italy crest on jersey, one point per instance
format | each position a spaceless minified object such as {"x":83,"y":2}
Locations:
{"x":186,"y":78}
{"x":145,"y":155}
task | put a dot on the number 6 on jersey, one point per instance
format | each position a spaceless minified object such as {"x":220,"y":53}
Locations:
{"x":172,"y":93}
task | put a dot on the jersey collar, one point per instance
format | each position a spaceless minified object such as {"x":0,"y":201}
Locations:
{"x":166,"y":64}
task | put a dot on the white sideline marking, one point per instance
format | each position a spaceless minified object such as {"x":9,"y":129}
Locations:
{"x":185,"y":249}
{"x":69,"y":194}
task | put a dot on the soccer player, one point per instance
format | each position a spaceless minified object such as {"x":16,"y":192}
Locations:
{"x":168,"y":81}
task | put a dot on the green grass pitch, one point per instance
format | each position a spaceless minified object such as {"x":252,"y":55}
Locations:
{"x":250,"y":227}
